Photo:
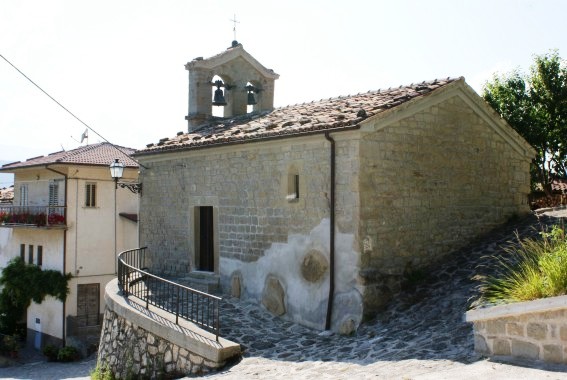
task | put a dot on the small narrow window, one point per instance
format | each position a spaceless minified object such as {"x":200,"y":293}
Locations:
{"x":39,"y":255}
{"x":292,"y":187}
{"x":23,"y":252}
{"x":30,"y":254}
{"x":23,"y":195}
{"x":53,"y":193}
{"x":90,"y":195}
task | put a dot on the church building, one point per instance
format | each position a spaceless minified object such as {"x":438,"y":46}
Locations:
{"x":319,"y":211}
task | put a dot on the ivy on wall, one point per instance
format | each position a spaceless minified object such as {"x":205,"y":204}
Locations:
{"x":21,"y":283}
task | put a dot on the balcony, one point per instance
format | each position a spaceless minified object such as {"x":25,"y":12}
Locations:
{"x":49,"y":217}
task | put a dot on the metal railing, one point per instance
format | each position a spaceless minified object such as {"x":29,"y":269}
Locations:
{"x":190,"y":304}
{"x":33,"y":216}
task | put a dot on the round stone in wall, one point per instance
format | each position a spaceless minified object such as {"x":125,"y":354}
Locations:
{"x":273,"y":297}
{"x":314,"y":266}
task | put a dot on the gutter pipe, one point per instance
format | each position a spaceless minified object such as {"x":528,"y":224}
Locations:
{"x":332,"y":237}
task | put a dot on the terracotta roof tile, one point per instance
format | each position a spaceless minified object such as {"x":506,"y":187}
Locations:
{"x":102,"y":154}
{"x":559,"y":185}
{"x":333,"y":113}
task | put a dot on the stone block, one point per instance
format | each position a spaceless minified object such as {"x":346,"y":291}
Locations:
{"x":273,"y":297}
{"x":553,"y":353}
{"x":563,"y":333}
{"x":501,"y":347}
{"x":195,"y":359}
{"x":347,"y":327}
{"x":525,"y":350}
{"x":480,"y":345}
{"x":152,"y":350}
{"x":168,"y":356}
{"x":496,"y":327}
{"x":514,"y":328}
{"x":314,"y":266}
{"x":536,"y":330}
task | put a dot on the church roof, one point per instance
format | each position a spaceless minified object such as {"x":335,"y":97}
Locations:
{"x":343,"y":112}
{"x":101,"y":154}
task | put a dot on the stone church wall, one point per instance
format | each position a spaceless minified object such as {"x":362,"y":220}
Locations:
{"x":271,"y":247}
{"x":430,"y":183}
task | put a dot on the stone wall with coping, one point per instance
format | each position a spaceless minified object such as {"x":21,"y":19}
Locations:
{"x":129,"y":350}
{"x":535,"y":330}
{"x":136,"y":342}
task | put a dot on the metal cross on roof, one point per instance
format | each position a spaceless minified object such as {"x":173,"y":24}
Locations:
{"x":234,"y":27}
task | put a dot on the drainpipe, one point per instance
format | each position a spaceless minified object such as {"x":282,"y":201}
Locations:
{"x":64,"y":247}
{"x":332,"y":237}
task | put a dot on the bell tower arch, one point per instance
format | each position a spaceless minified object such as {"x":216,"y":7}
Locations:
{"x":242,"y":78}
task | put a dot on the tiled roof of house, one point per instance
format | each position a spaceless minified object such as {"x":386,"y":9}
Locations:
{"x":559,"y":185}
{"x":7,"y":194}
{"x":330,"y":114}
{"x":101,"y":154}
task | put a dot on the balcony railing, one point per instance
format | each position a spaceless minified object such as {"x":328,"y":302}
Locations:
{"x":33,"y":216}
{"x":134,"y":280}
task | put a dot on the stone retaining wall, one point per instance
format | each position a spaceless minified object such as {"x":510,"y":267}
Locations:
{"x":130,"y":350}
{"x":535,"y":330}
{"x":136,"y":342}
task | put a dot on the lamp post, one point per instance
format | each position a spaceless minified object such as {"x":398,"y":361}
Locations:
{"x":116,"y":170}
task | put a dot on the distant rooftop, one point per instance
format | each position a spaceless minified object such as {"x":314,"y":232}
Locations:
{"x":342,"y":112}
{"x":101,"y":154}
{"x":7,"y":194}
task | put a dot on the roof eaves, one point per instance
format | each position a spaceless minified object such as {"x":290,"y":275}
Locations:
{"x":179,"y":148}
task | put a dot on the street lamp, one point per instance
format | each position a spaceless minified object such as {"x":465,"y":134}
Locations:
{"x":116,"y":170}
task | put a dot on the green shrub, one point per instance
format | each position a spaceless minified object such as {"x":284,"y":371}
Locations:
{"x":51,"y":352}
{"x":531,"y":269}
{"x":68,"y":354}
{"x":102,"y":373}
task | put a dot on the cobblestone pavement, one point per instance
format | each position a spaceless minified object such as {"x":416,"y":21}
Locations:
{"x":421,"y":332}
{"x":420,"y":336}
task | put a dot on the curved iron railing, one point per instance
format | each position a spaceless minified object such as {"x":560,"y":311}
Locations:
{"x":190,"y":304}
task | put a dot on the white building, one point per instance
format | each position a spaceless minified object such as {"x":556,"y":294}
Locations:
{"x":76,"y":218}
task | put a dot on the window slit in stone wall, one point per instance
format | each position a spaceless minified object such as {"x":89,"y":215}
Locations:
{"x":292,"y":187}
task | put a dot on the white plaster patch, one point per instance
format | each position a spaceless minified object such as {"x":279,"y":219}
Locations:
{"x":306,"y":302}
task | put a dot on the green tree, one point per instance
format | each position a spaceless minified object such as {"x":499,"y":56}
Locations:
{"x":21,"y":283}
{"x":535,"y":105}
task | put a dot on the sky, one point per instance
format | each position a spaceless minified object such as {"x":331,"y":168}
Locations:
{"x":119,"y":64}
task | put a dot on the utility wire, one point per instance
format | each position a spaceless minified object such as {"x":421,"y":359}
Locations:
{"x":69,"y":112}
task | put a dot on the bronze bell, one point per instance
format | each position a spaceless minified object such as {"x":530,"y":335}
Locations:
{"x":251,"y":98}
{"x":219,"y":99}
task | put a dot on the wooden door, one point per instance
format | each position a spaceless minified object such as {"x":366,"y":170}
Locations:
{"x":206,"y":239}
{"x":88,"y":302}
